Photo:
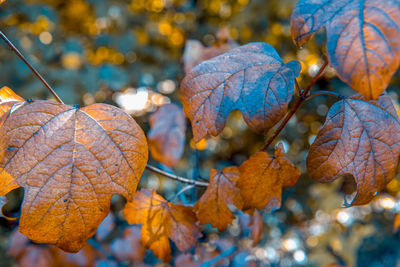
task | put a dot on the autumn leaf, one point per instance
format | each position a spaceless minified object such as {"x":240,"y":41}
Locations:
{"x":256,"y":227}
{"x":361,"y":138}
{"x":396,"y":223}
{"x":362,"y":39}
{"x":262,"y":178}
{"x":70,"y":162}
{"x":2,"y":1}
{"x":8,"y":100}
{"x":251,"y":78}
{"x":195,"y":52}
{"x":162,"y":220}
{"x":212,"y":207}
{"x":167,"y":134}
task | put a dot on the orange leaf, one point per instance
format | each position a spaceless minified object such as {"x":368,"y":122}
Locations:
{"x":256,"y":227}
{"x":162,"y":220}
{"x":8,"y":100}
{"x":396,"y":223}
{"x":167,"y":134}
{"x":251,"y":78}
{"x":361,"y":138}
{"x":362,"y":39}
{"x":262,"y":178}
{"x":70,"y":162}
{"x":212,"y":207}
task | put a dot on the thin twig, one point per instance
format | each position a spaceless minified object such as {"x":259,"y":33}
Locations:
{"x":186,"y":188}
{"x":13,"y":48}
{"x":322,"y":92}
{"x":303,"y":96}
{"x":176,"y":178}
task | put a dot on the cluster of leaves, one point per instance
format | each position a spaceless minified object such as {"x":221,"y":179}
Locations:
{"x":71,"y":160}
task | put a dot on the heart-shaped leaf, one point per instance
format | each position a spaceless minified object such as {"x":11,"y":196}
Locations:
{"x":70,"y":162}
{"x":361,"y":138}
{"x":363,"y":39}
{"x":251,"y":78}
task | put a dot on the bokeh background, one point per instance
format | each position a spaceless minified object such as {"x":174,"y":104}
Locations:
{"x":130,"y":54}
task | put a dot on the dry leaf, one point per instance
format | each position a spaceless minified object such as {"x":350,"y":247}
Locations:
{"x":363,"y":39}
{"x":167,"y":134}
{"x":70,"y":162}
{"x":262,"y":178}
{"x":256,"y":227}
{"x":212,"y":207}
{"x":162,"y":220}
{"x":361,"y":138}
{"x":8,"y":100}
{"x":251,"y":78}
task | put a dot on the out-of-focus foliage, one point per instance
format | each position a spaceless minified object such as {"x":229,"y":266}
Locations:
{"x":129,"y":53}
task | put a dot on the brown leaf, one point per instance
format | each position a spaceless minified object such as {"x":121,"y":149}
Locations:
{"x":195,"y":53}
{"x":70,"y":162}
{"x":262,"y":178}
{"x":251,"y":78}
{"x":167,"y":134}
{"x":129,"y":247}
{"x":362,"y":39}
{"x":162,"y":220}
{"x":256,"y":227}
{"x":361,"y":138}
{"x":8,"y":100}
{"x":212,"y":207}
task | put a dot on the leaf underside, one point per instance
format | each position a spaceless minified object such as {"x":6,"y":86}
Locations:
{"x":363,"y":39}
{"x":361,"y":138}
{"x":70,"y":162}
{"x":251,"y":78}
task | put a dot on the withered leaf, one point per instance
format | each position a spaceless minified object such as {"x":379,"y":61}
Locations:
{"x":70,"y":162}
{"x":361,"y":138}
{"x":256,"y":227}
{"x":212,"y":207}
{"x":195,"y":52}
{"x":251,"y":78}
{"x":8,"y":100}
{"x":167,"y":134}
{"x":162,"y":220}
{"x":363,"y":39}
{"x":262,"y":178}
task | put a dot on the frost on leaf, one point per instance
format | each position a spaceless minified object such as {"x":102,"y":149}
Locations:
{"x":212,"y":207}
{"x":70,"y":162}
{"x":162,"y":221}
{"x":363,"y":39}
{"x":361,"y":138}
{"x":251,"y":78}
{"x":167,"y":134}
{"x":262,"y":178}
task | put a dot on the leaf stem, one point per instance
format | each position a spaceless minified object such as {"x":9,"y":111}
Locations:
{"x":16,"y":51}
{"x":176,"y":178}
{"x":322,"y":92}
{"x":302,"y":97}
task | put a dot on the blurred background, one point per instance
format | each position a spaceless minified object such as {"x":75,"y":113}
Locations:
{"x":133,"y":54}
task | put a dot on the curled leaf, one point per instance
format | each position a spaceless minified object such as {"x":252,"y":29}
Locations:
{"x":362,"y":39}
{"x":8,"y":102}
{"x":262,"y":178}
{"x":251,"y":78}
{"x":361,"y":138}
{"x":162,"y":220}
{"x":212,"y":207}
{"x":70,"y":162}
{"x":167,"y":134}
